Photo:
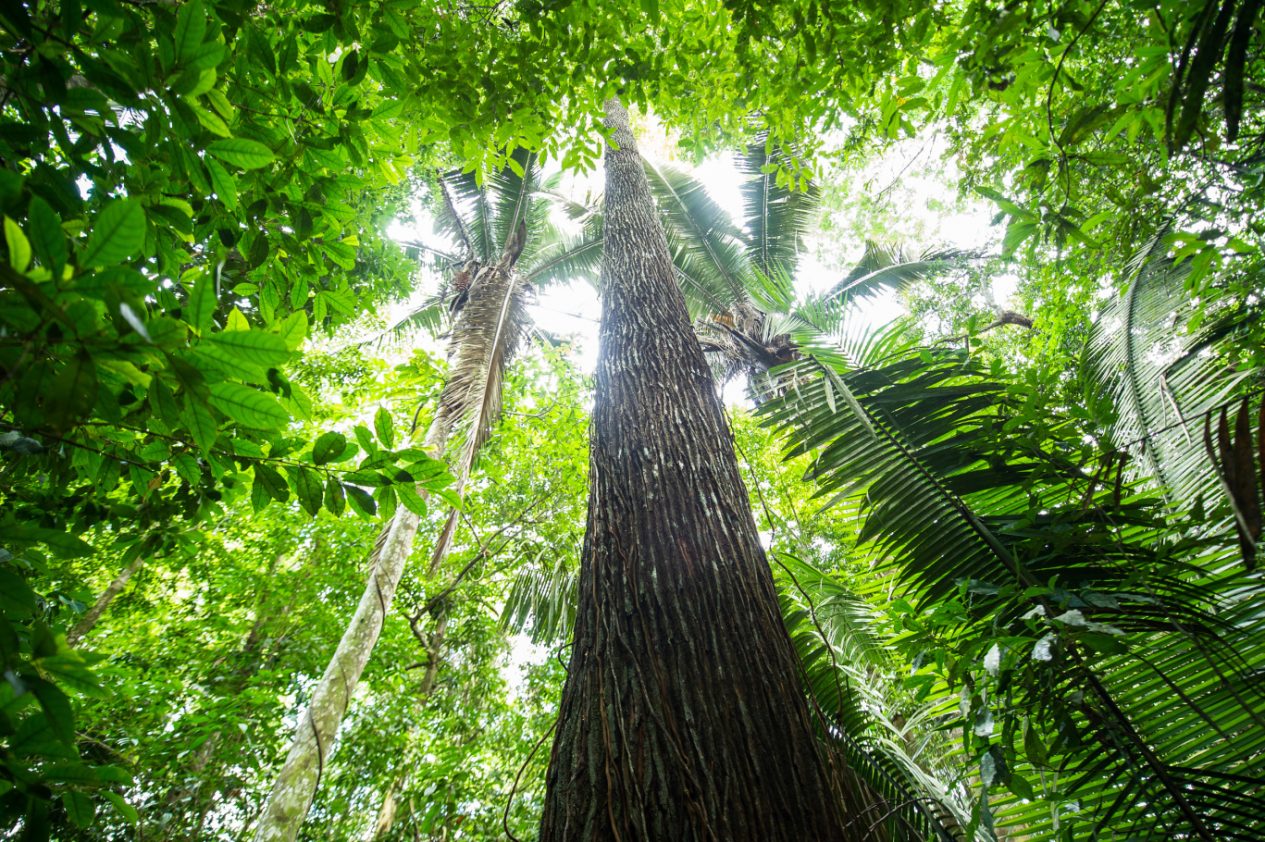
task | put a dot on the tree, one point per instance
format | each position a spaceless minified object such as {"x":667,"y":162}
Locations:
{"x":489,"y":294}
{"x":682,"y":715}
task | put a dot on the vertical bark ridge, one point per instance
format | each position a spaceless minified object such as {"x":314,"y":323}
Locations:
{"x":682,"y":716}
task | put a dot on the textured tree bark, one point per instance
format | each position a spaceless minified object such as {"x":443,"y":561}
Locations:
{"x":682,"y":716}
{"x":90,"y":620}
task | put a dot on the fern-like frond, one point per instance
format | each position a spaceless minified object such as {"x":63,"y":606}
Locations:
{"x":1150,"y":669}
{"x":1162,"y":380}
{"x":889,"y":268}
{"x":775,"y":218}
{"x":542,"y":602}
{"x":702,"y":238}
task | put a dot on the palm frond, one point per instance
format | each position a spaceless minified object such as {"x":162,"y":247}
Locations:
{"x":565,"y":258}
{"x":462,"y":214}
{"x":542,"y":602}
{"x":1136,"y":655}
{"x":431,"y":316}
{"x":705,"y":244}
{"x":848,"y":670}
{"x":776,"y":218}
{"x":485,"y":337}
{"x":889,"y":268}
{"x":1163,"y":382}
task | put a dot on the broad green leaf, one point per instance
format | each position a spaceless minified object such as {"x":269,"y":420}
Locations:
{"x":328,"y":447}
{"x":236,"y":320}
{"x":79,"y":807}
{"x":56,"y":708}
{"x":127,"y":811}
{"x":211,"y":121}
{"x":186,"y":466}
{"x":252,"y":347}
{"x":362,"y":501}
{"x":294,"y":329}
{"x":73,"y":393}
{"x":223,"y":183}
{"x":16,"y":597}
{"x":117,"y":235}
{"x":335,"y":497}
{"x":248,"y":407}
{"x":202,"y":303}
{"x":69,"y":669}
{"x":200,"y":422}
{"x":308,"y":487}
{"x":190,"y":29}
{"x":411,"y":499}
{"x":365,"y":437}
{"x":242,"y":152}
{"x":384,"y":427}
{"x":271,"y":482}
{"x":47,"y":237}
{"x":19,"y":246}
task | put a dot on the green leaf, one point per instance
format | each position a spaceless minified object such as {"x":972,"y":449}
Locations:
{"x":202,"y":303}
{"x":294,"y":329}
{"x":328,"y":447}
{"x":248,"y":407}
{"x":73,"y":392}
{"x":1016,"y":232}
{"x":271,"y":482}
{"x":200,"y":422}
{"x":56,"y":708}
{"x":19,"y":246}
{"x":365,"y":437}
{"x":211,"y":121}
{"x":127,"y":811}
{"x":62,"y":544}
{"x":16,"y":597}
{"x":190,"y":29}
{"x":186,"y":466}
{"x":335,"y":497}
{"x":223,"y":183}
{"x":47,"y":237}
{"x":70,"y":670}
{"x":308,"y":487}
{"x":362,"y":501}
{"x":246,"y":352}
{"x":242,"y":152}
{"x":411,"y":499}
{"x":79,"y":807}
{"x":384,"y":427}
{"x":117,"y":235}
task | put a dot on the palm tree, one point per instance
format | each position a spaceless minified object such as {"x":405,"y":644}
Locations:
{"x":508,"y":246}
{"x":739,"y":276}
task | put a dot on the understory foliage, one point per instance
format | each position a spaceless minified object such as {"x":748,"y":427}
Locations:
{"x":1015,"y":540}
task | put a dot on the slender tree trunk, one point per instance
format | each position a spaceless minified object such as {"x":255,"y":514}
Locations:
{"x":682,"y":716}
{"x":88,"y":621}
{"x":483,"y":342}
{"x":292,"y":794}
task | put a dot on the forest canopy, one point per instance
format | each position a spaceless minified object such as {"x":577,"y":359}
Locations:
{"x":912,"y":490}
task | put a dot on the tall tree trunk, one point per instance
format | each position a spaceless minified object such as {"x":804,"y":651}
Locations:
{"x":482,"y":343}
{"x":90,"y":620}
{"x":682,"y":716}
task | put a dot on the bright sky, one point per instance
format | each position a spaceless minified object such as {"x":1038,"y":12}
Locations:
{"x":916,"y":206}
